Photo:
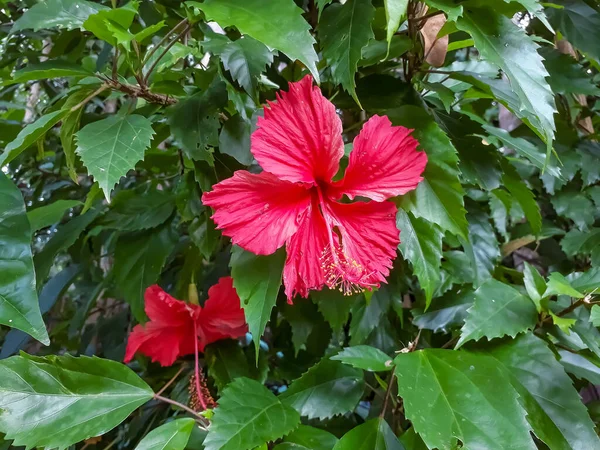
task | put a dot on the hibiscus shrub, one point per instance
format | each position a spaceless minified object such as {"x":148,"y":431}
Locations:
{"x":299,"y":224}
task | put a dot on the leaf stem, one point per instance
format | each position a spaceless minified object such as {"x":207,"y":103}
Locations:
{"x":89,"y":97}
{"x":162,"y":41}
{"x":170,"y":382}
{"x":200,"y":418}
{"x":164,"y":52}
{"x":387,"y":395}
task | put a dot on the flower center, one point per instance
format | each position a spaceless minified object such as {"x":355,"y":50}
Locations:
{"x":342,"y":272}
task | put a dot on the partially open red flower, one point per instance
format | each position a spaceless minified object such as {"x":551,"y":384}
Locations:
{"x":177,"y":328}
{"x":298,"y":143}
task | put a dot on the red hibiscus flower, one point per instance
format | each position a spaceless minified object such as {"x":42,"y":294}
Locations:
{"x":298,"y":143}
{"x":177,"y":328}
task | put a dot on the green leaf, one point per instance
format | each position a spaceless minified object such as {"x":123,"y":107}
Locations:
{"x":374,"y":434}
{"x":257,"y":280}
{"x":132,"y":211}
{"x":47,"y":215}
{"x":499,"y":310}
{"x":30,"y":134}
{"x":248,"y":415}
{"x":18,"y":298}
{"x":365,"y":357}
{"x":303,"y":318}
{"x":104,"y":23}
{"x":277,"y":24}
{"x":327,"y":389}
{"x":564,"y":324}
{"x":334,"y":305}
{"x":579,"y":23}
{"x":172,"y":435}
{"x":559,"y":285}
{"x":56,"y":68}
{"x":482,"y":247}
{"x":523,"y":147}
{"x":566,"y":75}
{"x":226,"y":362}
{"x":581,"y":366}
{"x":587,"y":282}
{"x":56,"y":401}
{"x":139,"y":260}
{"x":195,"y":121}
{"x":446,"y":312}
{"x":577,"y":242}
{"x":554,"y":408}
{"x":523,"y":195}
{"x":452,"y":10}
{"x":366,"y":316}
{"x":421,"y":244}
{"x":576,"y":207}
{"x":65,"y":236}
{"x":506,"y":45}
{"x":439,"y":197}
{"x":534,"y":284}
{"x":343,"y":31}
{"x":110,"y":147}
{"x":234,"y":139}
{"x":595,"y":315}
{"x":395,"y":11}
{"x":245,"y":58}
{"x":377,"y":51}
{"x":67,"y":14}
{"x":452,"y":395}
{"x":308,"y":438}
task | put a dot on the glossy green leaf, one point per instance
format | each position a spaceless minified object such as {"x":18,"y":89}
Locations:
{"x":450,"y":7}
{"x":248,"y":415}
{"x":534,"y":284}
{"x":47,"y":215}
{"x":395,"y":10}
{"x":559,"y":285}
{"x":581,"y":366}
{"x":574,"y":206}
{"x":334,"y":306}
{"x":110,"y":147}
{"x":44,"y":70}
{"x":327,"y":389}
{"x":172,"y":435}
{"x":111,"y":25}
{"x":586,"y":282}
{"x":504,"y":44}
{"x":277,"y":24}
{"x":194,"y":121}
{"x":566,"y":75}
{"x":139,"y":260}
{"x":308,"y":438}
{"x":303,"y":318}
{"x":554,"y":408}
{"x":67,"y":14}
{"x":374,"y":434}
{"x":499,"y":310}
{"x":226,"y":362}
{"x":133,"y":211}
{"x":439,"y":197}
{"x":56,"y":401}
{"x":579,"y":23}
{"x":445,"y":312}
{"x":257,"y":280}
{"x":523,"y":195}
{"x":30,"y":134}
{"x":18,"y":298}
{"x":234,"y":139}
{"x":366,"y":316}
{"x":421,"y":244}
{"x":434,"y":385}
{"x":577,"y":242}
{"x":343,"y":31}
{"x":482,"y":247}
{"x":365,"y":357}
{"x":595,"y":315}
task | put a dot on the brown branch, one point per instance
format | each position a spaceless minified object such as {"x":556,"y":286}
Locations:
{"x":137,"y":91}
{"x":387,"y":395}
{"x":571,"y":308}
{"x":203,"y":420}
{"x":170,"y":382}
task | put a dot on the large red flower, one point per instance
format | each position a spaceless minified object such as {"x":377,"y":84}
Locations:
{"x":177,"y":328}
{"x":298,"y":143}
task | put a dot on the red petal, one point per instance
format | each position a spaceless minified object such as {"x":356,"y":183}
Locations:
{"x":384,"y":162}
{"x":303,"y":271}
{"x":369,"y":238}
{"x":166,"y":310}
{"x":163,"y":344}
{"x":222,"y":316}
{"x":259,"y":212}
{"x":300,"y":137}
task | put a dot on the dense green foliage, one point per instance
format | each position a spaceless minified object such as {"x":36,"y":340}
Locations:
{"x":116,"y":116}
